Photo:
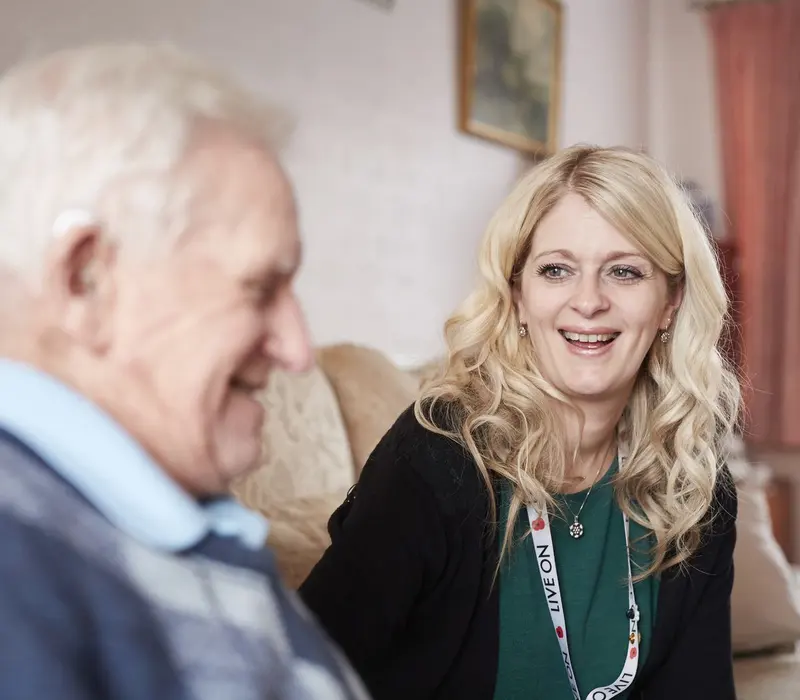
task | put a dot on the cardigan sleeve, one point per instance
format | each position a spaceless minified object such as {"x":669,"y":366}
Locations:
{"x":700,"y":664}
{"x":388,"y":544}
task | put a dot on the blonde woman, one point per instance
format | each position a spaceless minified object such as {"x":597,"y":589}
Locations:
{"x":552,"y":520}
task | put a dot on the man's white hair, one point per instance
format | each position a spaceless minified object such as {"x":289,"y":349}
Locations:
{"x":95,"y":134}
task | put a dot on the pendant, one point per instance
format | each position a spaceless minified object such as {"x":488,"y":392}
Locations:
{"x":576,"y":530}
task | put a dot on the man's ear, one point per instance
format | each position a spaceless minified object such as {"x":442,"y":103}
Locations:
{"x":78,"y":283}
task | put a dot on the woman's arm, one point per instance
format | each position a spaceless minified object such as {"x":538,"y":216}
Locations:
{"x":700,"y":664}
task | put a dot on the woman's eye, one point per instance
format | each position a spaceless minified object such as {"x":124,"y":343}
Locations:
{"x":552,"y":271}
{"x":625,"y":273}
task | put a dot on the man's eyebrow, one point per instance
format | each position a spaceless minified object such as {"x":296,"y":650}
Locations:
{"x":284,"y":267}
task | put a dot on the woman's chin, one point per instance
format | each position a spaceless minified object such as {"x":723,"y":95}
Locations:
{"x":592,"y":390}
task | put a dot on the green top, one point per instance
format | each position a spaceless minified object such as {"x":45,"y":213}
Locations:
{"x":592,"y":573}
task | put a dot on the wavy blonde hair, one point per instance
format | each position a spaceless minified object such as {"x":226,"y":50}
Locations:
{"x":490,"y":396}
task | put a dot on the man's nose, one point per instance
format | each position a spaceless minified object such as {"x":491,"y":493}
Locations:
{"x":289,"y":344}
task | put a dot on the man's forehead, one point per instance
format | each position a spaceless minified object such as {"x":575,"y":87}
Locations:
{"x":255,"y":246}
{"x":242,"y":206}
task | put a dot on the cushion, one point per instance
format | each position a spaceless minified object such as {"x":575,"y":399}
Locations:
{"x":765,"y":603}
{"x":767,"y":676}
{"x":425,"y":372}
{"x":372,"y":392}
{"x":305,"y":450}
{"x":298,"y":534}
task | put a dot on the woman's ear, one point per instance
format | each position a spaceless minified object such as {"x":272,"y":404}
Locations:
{"x":516,"y":297}
{"x":676,"y":297}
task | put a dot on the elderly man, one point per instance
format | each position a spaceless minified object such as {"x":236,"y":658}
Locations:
{"x":148,"y":242}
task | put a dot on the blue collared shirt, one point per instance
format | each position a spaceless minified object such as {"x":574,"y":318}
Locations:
{"x":112,"y":471}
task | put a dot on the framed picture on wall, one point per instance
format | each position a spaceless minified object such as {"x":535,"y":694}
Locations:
{"x":510,"y":72}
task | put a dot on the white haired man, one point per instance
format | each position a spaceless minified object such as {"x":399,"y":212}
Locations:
{"x":148,"y":242}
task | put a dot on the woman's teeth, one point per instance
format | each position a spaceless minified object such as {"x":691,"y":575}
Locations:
{"x":589,"y":338}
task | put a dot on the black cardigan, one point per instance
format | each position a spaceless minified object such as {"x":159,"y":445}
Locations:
{"x":406,"y":586}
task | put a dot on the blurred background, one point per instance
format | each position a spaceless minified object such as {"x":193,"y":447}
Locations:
{"x":394,"y":197}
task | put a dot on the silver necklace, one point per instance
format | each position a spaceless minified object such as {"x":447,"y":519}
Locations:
{"x":576,"y":529}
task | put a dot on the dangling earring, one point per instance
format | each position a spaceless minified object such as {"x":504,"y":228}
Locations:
{"x":523,"y":331}
{"x":665,"y":334}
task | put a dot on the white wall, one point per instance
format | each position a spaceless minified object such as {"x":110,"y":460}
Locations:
{"x":393,"y":199}
{"x":682,"y":115}
{"x":605,"y":64}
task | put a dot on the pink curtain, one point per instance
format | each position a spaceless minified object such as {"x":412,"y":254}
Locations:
{"x":756,"y":49}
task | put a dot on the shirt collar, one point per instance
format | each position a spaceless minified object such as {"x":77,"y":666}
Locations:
{"x":104,"y":463}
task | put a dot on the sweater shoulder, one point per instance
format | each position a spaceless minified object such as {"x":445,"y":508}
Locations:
{"x":725,"y":506}
{"x":437,"y":462}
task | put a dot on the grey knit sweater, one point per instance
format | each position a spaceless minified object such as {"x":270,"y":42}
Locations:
{"x":88,"y":612}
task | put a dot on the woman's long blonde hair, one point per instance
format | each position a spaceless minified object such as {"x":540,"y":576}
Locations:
{"x":490,"y":396}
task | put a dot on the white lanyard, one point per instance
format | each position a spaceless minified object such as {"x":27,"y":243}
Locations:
{"x":546,"y":563}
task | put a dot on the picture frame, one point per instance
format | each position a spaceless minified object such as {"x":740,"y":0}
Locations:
{"x":509,"y":69}
{"x":382,"y":4}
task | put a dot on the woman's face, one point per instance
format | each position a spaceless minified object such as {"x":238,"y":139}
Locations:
{"x":592,"y":302}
